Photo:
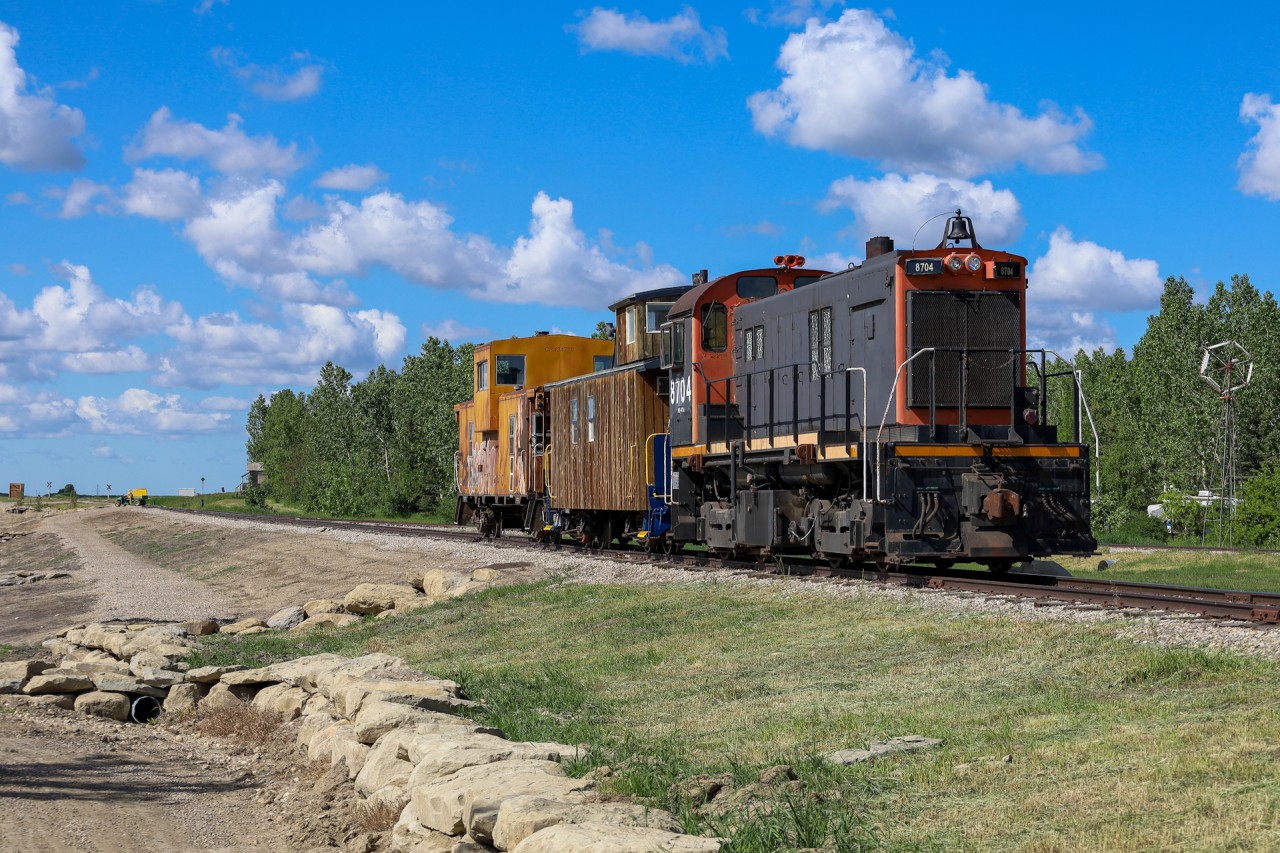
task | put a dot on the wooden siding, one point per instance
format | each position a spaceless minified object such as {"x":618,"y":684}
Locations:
{"x":609,"y":472}
{"x":648,"y":342}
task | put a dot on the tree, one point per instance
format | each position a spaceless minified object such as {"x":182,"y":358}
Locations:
{"x":604,"y":331}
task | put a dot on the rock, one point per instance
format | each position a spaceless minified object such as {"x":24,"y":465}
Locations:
{"x":431,"y":694}
{"x":486,"y":575}
{"x":147,"y":660}
{"x":877,"y":749}
{"x":316,"y":606}
{"x":438,"y":755}
{"x":470,"y":845}
{"x":777,"y":774}
{"x":90,"y":667}
{"x":114,"y":682}
{"x":337,"y":742}
{"x":183,"y":698}
{"x":438,"y":584}
{"x":159,"y":677}
{"x":520,"y":817}
{"x":362,"y":668}
{"x":477,"y":791}
{"x":414,"y":579}
{"x":299,"y":672}
{"x":376,"y":718}
{"x":256,"y":629}
{"x":58,"y":681}
{"x":701,"y":789}
{"x":326,"y":620}
{"x":408,"y":605}
{"x":242,"y":625}
{"x":228,"y":696}
{"x":199,"y":627}
{"x":14,"y":675}
{"x":409,"y":836}
{"x":61,"y":648}
{"x":375,"y":597}
{"x":387,"y":764}
{"x":66,"y":701}
{"x":212,"y":674}
{"x":98,"y":703}
{"x":606,"y":838}
{"x":283,"y":699}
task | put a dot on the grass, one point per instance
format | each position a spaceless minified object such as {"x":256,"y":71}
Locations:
{"x":1258,"y":572}
{"x":1112,"y":745}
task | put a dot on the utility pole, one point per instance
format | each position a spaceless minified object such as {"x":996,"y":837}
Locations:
{"x":202,"y":492}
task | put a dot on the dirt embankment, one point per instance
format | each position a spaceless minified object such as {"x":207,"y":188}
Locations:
{"x":73,"y":783}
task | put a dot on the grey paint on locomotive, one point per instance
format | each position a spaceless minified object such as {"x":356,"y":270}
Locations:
{"x":802,"y":342}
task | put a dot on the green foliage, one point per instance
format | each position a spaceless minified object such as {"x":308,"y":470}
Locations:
{"x":1259,"y":513}
{"x":604,"y":331}
{"x":383,"y":445}
{"x":1160,"y":424}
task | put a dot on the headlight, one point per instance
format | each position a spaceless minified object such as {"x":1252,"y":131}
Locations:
{"x":955,"y":263}
{"x":973,"y":262}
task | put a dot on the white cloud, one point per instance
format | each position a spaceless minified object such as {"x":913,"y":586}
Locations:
{"x":897,"y":205}
{"x":274,"y":84}
{"x":36,"y":132}
{"x":222,"y":349}
{"x":18,"y":197}
{"x":137,"y":411}
{"x":131,"y":359}
{"x":229,"y":150}
{"x":1050,"y":326}
{"x":163,"y":194}
{"x":680,"y":37}
{"x":454,"y":332}
{"x":206,"y":6}
{"x":81,"y":317}
{"x":352,"y":177}
{"x":855,"y":87}
{"x":556,"y":264}
{"x":19,"y":269}
{"x":1087,"y":276}
{"x":78,"y":199}
{"x":1260,"y":163}
{"x":225,"y":404}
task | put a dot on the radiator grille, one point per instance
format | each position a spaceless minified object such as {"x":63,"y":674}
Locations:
{"x":969,"y":321}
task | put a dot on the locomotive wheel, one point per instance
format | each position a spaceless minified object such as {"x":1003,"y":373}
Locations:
{"x":999,"y":567}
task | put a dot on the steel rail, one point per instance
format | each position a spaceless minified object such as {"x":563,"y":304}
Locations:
{"x":1257,"y":608}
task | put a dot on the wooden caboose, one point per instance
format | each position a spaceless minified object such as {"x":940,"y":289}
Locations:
{"x":502,"y":429}
{"x":606,"y":428}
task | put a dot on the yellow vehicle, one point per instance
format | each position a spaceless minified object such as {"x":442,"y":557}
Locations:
{"x":134,"y":497}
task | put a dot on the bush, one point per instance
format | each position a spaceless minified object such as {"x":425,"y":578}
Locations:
{"x":1259,"y":512}
{"x":255,"y":496}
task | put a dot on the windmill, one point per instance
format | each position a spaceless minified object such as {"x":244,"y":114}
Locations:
{"x":1228,"y":369}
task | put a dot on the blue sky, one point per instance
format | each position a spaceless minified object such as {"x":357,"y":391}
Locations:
{"x":205,"y":200}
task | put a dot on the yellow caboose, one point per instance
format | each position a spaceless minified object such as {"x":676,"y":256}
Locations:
{"x":502,"y":429}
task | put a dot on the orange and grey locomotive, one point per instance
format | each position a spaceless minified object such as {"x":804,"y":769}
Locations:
{"x":891,"y":413}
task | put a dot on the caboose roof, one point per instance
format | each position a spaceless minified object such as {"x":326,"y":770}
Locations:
{"x":661,"y":294}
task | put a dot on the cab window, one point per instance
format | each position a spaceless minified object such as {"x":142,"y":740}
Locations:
{"x":715,"y":327}
{"x":756,"y":286}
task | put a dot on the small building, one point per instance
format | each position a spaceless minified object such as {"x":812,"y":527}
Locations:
{"x":17,"y":491}
{"x":256,"y":474}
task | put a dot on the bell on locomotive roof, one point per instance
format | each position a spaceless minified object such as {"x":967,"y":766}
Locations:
{"x":959,"y":227}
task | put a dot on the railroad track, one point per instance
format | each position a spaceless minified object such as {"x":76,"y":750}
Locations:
{"x":1254,"y":608}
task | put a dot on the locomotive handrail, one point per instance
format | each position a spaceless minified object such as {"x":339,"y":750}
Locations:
{"x":893,"y":389}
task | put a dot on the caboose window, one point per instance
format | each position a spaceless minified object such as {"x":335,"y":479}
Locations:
{"x":632,"y":321}
{"x":591,"y":417}
{"x":715,"y":327}
{"x":573,"y":420}
{"x":805,"y":280}
{"x":756,"y":286}
{"x":677,"y":342}
{"x":656,"y":315}
{"x":482,"y":374}
{"x":510,"y":369}
{"x":667,"y":359}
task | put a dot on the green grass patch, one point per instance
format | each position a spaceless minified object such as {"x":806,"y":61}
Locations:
{"x":231,"y":502}
{"x":1110,"y":745}
{"x":1254,"y":571}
